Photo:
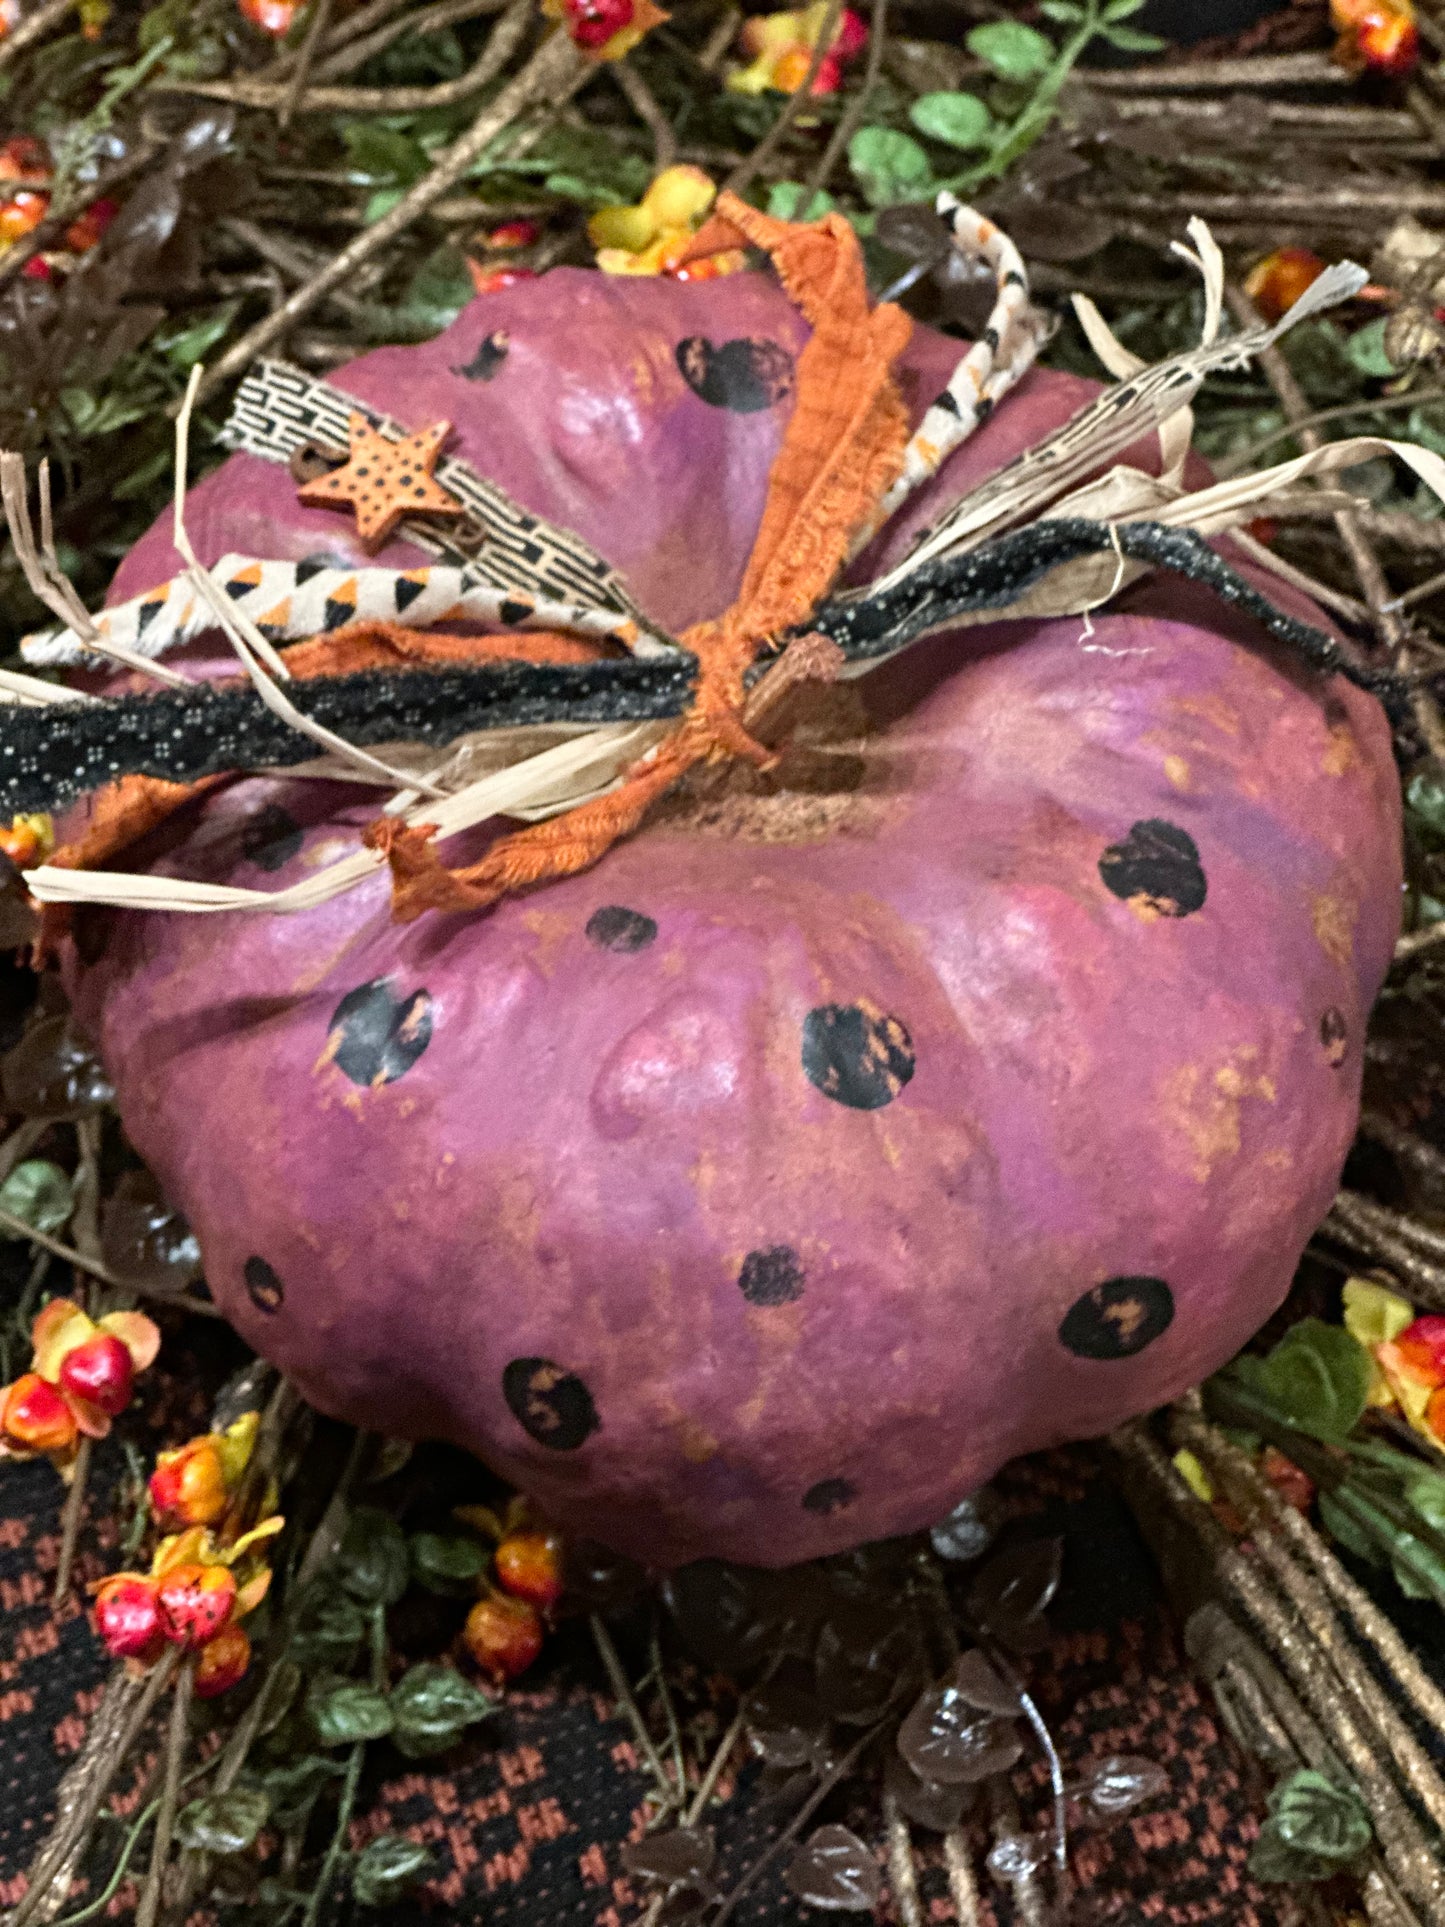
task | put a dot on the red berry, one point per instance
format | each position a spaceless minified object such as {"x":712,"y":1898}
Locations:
{"x":195,"y":1603}
{"x":101,"y":1371}
{"x":852,"y":35}
{"x":503,"y":1635}
{"x":36,"y":1417}
{"x":222,"y":1662}
{"x":592,"y":23}
{"x":529,"y":1566}
{"x":127,"y":1613}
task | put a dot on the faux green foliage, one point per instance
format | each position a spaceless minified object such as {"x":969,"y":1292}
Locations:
{"x":1315,"y":1827}
{"x":39,"y":1193}
{"x":224,"y":1822}
{"x":386,"y":1868}
{"x":1317,"y":1377}
{"x":432,"y":1706}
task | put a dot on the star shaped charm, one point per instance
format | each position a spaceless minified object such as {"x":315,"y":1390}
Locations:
{"x":384,"y":481}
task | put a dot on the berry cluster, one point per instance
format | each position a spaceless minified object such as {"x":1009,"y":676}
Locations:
{"x":25,"y":181}
{"x":506,"y":1627}
{"x":81,"y":1377}
{"x":1378,"y":35}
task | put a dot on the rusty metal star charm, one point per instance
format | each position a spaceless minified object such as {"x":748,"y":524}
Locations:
{"x":384,"y":482}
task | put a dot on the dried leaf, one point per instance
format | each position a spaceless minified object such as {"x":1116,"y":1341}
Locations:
{"x":970,"y":1529}
{"x":1115,"y":1786}
{"x":682,"y":1854}
{"x":786,"y":1727}
{"x":928,"y":1803}
{"x":980,"y":1683}
{"x":1017,"y":1856}
{"x":1009,"y":1596}
{"x":945,"y":1739}
{"x":835,"y":1871}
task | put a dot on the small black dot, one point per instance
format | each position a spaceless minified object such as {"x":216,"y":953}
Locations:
{"x":828,"y":1496}
{"x":270,"y":838}
{"x":514,"y":612}
{"x":615,"y":928}
{"x":774,"y":1276}
{"x":551,"y":1404}
{"x":1335,"y":1036}
{"x":856,"y":1054}
{"x":1156,"y":865}
{"x":488,"y":359}
{"x":1118,"y":1318}
{"x":264,"y":1288}
{"x":374,"y":1036}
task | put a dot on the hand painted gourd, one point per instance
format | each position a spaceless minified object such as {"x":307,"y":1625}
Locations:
{"x":968,"y":1086}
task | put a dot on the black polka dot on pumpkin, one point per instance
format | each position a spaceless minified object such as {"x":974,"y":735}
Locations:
{"x":856,"y":1054}
{"x":551,"y":1404}
{"x":491,"y":353}
{"x":375,"y":1036}
{"x":263,"y":1287}
{"x":1118,"y":1318}
{"x":828,"y":1496}
{"x":1156,"y":865}
{"x":740,"y":375}
{"x":1334,"y":1036}
{"x":271,"y":837}
{"x":614,"y":927}
{"x":773,"y":1276}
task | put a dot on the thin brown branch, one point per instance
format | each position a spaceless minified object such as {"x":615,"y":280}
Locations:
{"x":360,"y":100}
{"x":305,"y":59}
{"x":715,"y":47}
{"x":1264,"y":71}
{"x":554,"y":65}
{"x":355,"y":53}
{"x":48,"y":232}
{"x":902,"y":1867}
{"x":1363,"y":1226}
{"x":113,"y":1733}
{"x":668,"y":1792}
{"x":177,"y":1739}
{"x":648,"y":109}
{"x":1371,"y":577}
{"x":33,"y":27}
{"x":852,"y":118}
{"x":70,"y":1519}
{"x":1249,"y":456}
{"x":743,"y":176}
{"x":1412,"y":1152}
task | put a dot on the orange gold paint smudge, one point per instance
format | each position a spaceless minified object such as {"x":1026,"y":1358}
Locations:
{"x":1334,"y":922}
{"x":1206,"y":1109}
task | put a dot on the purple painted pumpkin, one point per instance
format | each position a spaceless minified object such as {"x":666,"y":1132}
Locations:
{"x":969,"y":1087}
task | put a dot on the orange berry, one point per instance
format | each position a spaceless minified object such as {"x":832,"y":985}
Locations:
{"x":23,"y":158}
{"x":790,"y":69}
{"x":222,"y":1661}
{"x":188,"y":1486}
{"x":86,"y":229}
{"x":529,"y":1566}
{"x":36,"y":1417}
{"x":271,"y":16}
{"x":21,"y":214}
{"x":1277,"y":282}
{"x":503,"y":1635}
{"x":195,"y":1603}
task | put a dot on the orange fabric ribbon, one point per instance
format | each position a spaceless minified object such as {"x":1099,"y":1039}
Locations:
{"x":843,"y":447}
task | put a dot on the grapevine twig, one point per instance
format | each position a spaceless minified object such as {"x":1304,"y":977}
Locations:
{"x":552,"y":67}
{"x":747,"y":171}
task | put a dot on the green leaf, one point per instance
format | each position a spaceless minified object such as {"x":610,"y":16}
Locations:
{"x":295,"y":1788}
{"x":372,"y":1564}
{"x":1317,"y":1378}
{"x":382,"y":156}
{"x":1420,"y":428}
{"x":224,"y":1822}
{"x":186,"y":346}
{"x":386,"y":1867}
{"x":1121,"y":10}
{"x":433,"y":1705}
{"x":447,"y":1562}
{"x":1313,"y":1815}
{"x":345,"y":1710}
{"x":890,"y":166}
{"x":784,"y":198}
{"x":959,"y":120}
{"x":1067,"y":12}
{"x":1273,"y":1859}
{"x":40,"y":1193}
{"x":1366,"y":349}
{"x":1014,"y":51}
{"x":329,"y":1629}
{"x":1347,"y":1530}
{"x":1130,"y":41}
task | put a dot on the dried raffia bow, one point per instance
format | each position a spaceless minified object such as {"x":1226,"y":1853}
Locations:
{"x":843,"y":448}
{"x":628,"y":710}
